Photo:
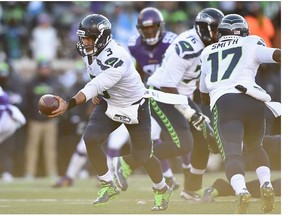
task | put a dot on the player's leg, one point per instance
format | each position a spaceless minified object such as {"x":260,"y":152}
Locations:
{"x":98,"y":129}
{"x":176,"y":137}
{"x":124,"y":169}
{"x":193,"y":175}
{"x":77,"y":161}
{"x":165,"y":164}
{"x":193,"y":172}
{"x":142,"y":154}
{"x":229,"y":130}
{"x":257,"y":157}
{"x":221,"y":187}
{"x":253,"y":187}
{"x":117,"y":139}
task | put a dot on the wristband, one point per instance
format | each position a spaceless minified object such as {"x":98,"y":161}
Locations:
{"x":71,"y":103}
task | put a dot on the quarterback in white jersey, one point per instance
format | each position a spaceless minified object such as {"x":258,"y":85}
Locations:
{"x":228,"y":75}
{"x":122,"y":102}
{"x":115,"y":73}
{"x":179,"y":73}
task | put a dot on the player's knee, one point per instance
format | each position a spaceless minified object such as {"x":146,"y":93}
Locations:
{"x":141,"y":156}
{"x":91,"y":141}
{"x":185,"y":149}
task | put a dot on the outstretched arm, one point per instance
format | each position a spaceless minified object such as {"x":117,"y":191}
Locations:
{"x":79,"y":98}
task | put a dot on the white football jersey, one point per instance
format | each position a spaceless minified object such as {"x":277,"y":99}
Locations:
{"x":233,"y":60}
{"x":113,"y":76}
{"x":180,"y":67}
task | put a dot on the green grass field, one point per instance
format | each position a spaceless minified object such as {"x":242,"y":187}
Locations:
{"x":37,"y":197}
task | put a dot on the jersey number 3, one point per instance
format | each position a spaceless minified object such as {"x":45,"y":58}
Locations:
{"x":236,"y":53}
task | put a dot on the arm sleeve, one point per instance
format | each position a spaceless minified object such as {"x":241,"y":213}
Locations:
{"x":202,"y":85}
{"x":265,"y":54}
{"x":102,"y":82}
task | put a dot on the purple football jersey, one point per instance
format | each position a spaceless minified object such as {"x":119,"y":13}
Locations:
{"x":150,"y":57}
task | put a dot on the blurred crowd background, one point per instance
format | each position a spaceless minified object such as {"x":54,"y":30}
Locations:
{"x":39,"y":38}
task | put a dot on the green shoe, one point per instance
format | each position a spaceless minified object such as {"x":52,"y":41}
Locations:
{"x":267,"y":198}
{"x":161,"y":199}
{"x":122,"y":171}
{"x":107,"y":192}
{"x":243,"y":201}
{"x":209,"y":194}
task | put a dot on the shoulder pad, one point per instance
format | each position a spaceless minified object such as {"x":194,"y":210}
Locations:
{"x":261,"y":42}
{"x":184,"y":49}
{"x":257,"y":39}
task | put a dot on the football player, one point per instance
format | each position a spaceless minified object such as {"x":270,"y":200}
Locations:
{"x":116,"y":79}
{"x":238,"y":104}
{"x":79,"y":158}
{"x":178,"y":74}
{"x":147,"y":48}
{"x":11,"y":118}
{"x":220,"y":187}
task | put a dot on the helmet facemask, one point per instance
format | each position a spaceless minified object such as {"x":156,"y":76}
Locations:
{"x":207,"y":32}
{"x":150,"y":25}
{"x":206,"y":24}
{"x":99,"y":43}
{"x":146,"y":32}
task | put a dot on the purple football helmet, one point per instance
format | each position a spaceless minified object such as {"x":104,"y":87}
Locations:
{"x":150,"y":25}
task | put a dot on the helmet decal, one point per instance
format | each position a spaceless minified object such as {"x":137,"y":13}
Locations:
{"x":233,"y":24}
{"x":104,"y":25}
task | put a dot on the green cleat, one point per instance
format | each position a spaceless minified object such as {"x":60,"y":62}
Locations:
{"x":161,"y":199}
{"x":267,"y":197}
{"x":107,"y":192}
{"x":209,"y":194}
{"x":243,"y":201}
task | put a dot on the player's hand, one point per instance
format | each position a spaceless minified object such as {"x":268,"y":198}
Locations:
{"x":198,"y":120}
{"x":195,"y":118}
{"x":96,"y":100}
{"x":63,"y":106}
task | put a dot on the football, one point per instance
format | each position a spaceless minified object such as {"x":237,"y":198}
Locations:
{"x":47,"y":104}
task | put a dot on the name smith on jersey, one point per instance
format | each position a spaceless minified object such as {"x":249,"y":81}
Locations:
{"x":224,"y":43}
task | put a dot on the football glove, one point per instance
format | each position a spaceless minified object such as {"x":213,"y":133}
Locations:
{"x":195,"y":118}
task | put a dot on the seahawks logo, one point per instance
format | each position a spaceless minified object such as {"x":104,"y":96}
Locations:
{"x":204,"y":17}
{"x":104,"y":25}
